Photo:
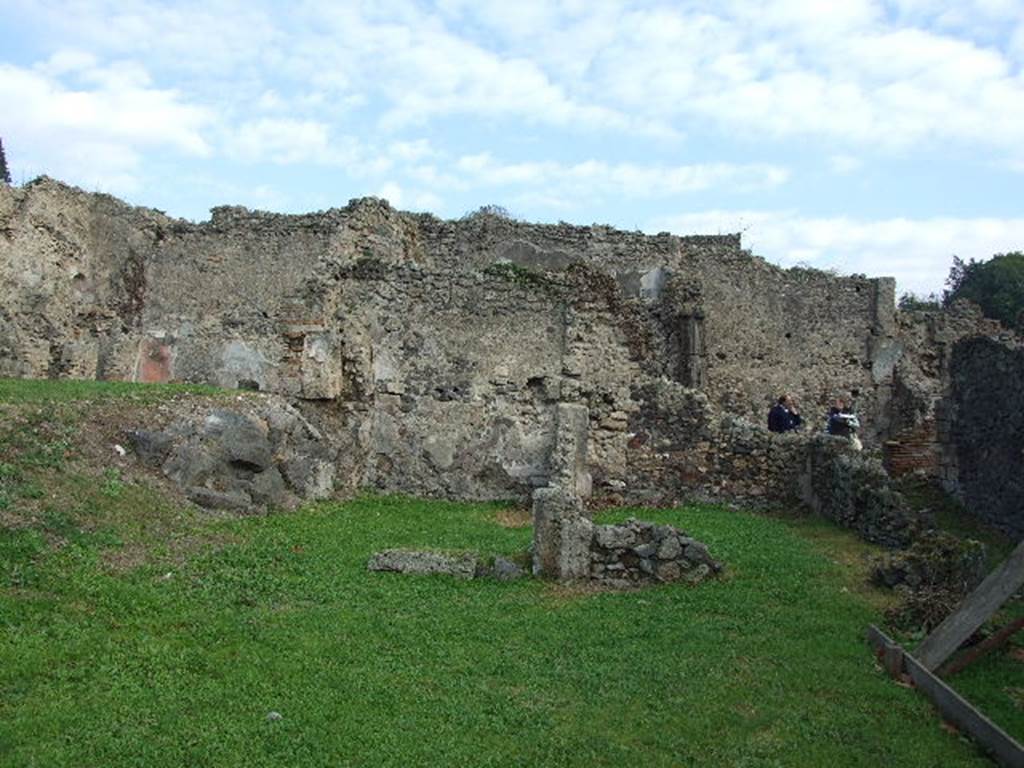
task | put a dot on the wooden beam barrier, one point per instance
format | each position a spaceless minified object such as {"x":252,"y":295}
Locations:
{"x":974,"y":611}
{"x":888,"y":652}
{"x":1006,"y":750}
{"x":982,"y":649}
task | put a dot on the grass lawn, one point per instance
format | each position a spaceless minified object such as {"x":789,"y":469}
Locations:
{"x":138,"y":632}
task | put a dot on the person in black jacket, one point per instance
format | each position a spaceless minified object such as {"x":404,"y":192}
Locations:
{"x":784,"y":415}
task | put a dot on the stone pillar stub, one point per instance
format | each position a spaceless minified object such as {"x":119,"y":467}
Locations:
{"x":569,"y":455}
{"x":561,"y":535}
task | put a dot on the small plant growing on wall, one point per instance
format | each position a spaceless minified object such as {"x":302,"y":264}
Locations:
{"x":490,"y":212}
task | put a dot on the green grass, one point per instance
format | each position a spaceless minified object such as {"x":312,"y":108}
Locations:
{"x":952,"y":517}
{"x":66,"y":390}
{"x":180,"y":665}
{"x":995,"y":683}
{"x":135,"y":631}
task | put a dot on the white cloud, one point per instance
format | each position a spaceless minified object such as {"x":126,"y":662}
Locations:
{"x":917,"y":252}
{"x":281,"y":141}
{"x":592,"y":178}
{"x":90,"y":124}
{"x":861,"y":72}
{"x":404,"y":199}
{"x":209,"y":38}
{"x":840,"y":72}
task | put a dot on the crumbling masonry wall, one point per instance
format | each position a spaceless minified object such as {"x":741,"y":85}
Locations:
{"x":440,"y":349}
{"x":985,"y":427}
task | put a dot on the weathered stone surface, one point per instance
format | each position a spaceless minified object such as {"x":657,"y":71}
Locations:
{"x":446,"y":344}
{"x":262,"y":453}
{"x":569,"y":455}
{"x":670,"y":548}
{"x":614,"y":537}
{"x":462,"y":566}
{"x":558,"y":534}
{"x":150,"y":447}
{"x":475,"y":358}
{"x":638,"y":552}
{"x":574,"y":553}
{"x":211,"y":499}
{"x":505,"y":570}
{"x":854,"y":491}
{"x":985,"y":430}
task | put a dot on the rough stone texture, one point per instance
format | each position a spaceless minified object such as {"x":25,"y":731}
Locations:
{"x":259,"y":453}
{"x":638,"y":552}
{"x":569,"y":454}
{"x":448,"y":356}
{"x":561,"y":535}
{"x":935,"y":559}
{"x":917,"y":434}
{"x":853,"y":490}
{"x":932,"y":577}
{"x":443,"y":344}
{"x":985,"y":428}
{"x":462,"y":566}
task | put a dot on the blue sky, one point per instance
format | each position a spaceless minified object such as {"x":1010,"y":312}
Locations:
{"x":874,"y":137}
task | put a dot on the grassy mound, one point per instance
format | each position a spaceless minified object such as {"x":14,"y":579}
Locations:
{"x":176,"y":654}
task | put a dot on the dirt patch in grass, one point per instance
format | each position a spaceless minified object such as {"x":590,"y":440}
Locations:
{"x":514,"y":517}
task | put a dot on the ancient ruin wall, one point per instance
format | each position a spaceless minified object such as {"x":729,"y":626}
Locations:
{"x":763,"y":330}
{"x":72,"y":281}
{"x":919,"y":414}
{"x":440,"y":347}
{"x":986,"y":423}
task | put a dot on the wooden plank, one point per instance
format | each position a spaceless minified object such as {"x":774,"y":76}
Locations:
{"x":983,"y":648}
{"x":954,"y":708}
{"x":976,"y":608}
{"x":889,"y":653}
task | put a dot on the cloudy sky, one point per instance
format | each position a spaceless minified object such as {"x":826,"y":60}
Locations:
{"x":875,"y":137}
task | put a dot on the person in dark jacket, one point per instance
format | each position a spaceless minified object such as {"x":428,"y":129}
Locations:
{"x":784,"y":415}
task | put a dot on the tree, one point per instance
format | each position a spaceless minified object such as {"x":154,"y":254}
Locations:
{"x":996,"y":285}
{"x":5,"y":174}
{"x":912,"y":302}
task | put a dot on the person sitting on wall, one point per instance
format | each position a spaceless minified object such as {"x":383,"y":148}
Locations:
{"x":843,"y":422}
{"x":784,"y":417}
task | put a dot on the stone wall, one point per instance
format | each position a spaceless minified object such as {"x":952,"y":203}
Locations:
{"x":441,"y":348}
{"x":72,"y":281}
{"x":918,"y":411}
{"x":986,"y":429}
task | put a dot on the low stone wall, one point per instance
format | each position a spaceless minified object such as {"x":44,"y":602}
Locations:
{"x":461,"y":565}
{"x":853,"y":490}
{"x":638,"y":552}
{"x":568,"y":546}
{"x":681,"y":448}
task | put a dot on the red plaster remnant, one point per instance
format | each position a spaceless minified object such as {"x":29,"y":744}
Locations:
{"x":154,"y":365}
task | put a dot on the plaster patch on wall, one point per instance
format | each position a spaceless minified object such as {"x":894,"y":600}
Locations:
{"x":155,"y":364}
{"x":242,"y":366}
